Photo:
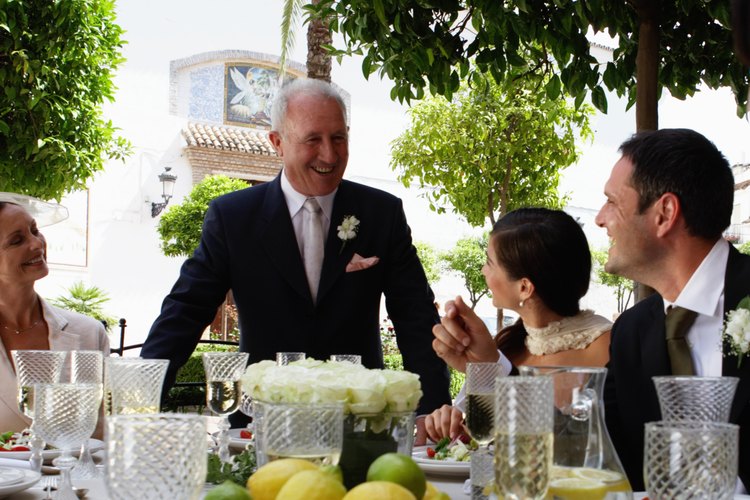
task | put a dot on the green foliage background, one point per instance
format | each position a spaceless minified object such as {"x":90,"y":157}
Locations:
{"x":466,"y":259}
{"x":87,"y":300}
{"x":57,"y":62}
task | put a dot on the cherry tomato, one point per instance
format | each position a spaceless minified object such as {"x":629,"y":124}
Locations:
{"x":430,"y":453}
{"x":246,"y":435}
{"x":20,"y":448}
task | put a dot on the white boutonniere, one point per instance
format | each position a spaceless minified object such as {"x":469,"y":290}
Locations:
{"x":347,"y":230}
{"x":737,"y":329}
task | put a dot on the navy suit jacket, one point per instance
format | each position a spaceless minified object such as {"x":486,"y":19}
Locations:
{"x":638,"y":351}
{"x":248,"y":245}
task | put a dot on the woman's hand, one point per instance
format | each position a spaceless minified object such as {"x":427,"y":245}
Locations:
{"x":444,"y":422}
{"x":462,"y":337}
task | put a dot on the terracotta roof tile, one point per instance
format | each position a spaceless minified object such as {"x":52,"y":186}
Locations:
{"x":229,"y":138}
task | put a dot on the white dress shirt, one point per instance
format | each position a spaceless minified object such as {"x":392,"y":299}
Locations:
{"x":294,"y":202}
{"x":704,"y":294}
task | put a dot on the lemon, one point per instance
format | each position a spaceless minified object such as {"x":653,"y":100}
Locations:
{"x":607,"y":476}
{"x":228,"y":491}
{"x":400,"y":469}
{"x":574,"y":488}
{"x":334,"y":471}
{"x":432,"y":493}
{"x":380,"y":490}
{"x":312,"y":485}
{"x":268,"y":480}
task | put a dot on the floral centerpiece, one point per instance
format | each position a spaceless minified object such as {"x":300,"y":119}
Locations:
{"x":379,"y":404}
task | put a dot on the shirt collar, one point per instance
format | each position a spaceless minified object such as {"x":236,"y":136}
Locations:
{"x":704,"y":290}
{"x":295,"y":200}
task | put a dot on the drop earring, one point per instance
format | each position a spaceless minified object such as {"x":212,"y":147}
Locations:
{"x":520,"y":304}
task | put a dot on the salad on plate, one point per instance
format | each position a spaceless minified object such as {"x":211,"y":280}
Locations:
{"x":458,"y":451}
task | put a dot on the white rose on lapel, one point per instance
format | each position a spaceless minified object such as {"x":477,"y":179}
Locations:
{"x":737,"y":329}
{"x":347,"y":230}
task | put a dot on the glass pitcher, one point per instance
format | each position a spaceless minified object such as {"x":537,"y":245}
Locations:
{"x":585,"y":462}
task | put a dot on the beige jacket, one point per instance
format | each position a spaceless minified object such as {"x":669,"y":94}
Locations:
{"x":68,"y":331}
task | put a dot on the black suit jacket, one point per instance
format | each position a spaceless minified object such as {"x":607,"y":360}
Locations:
{"x":638,"y":351}
{"x":248,"y":245}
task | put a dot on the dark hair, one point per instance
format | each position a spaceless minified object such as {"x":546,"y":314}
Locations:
{"x":549,"y":248}
{"x":685,"y":163}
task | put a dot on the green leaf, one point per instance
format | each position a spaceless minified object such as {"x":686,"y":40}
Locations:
{"x":377,"y":6}
{"x":599,"y":99}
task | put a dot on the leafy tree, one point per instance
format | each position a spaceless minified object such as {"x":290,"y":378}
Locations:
{"x":493,"y":148}
{"x":430,"y":260}
{"x":744,"y":248}
{"x":180,"y":226}
{"x":88,"y":300}
{"x":466,"y":259}
{"x":668,"y":44}
{"x":57,"y":61}
{"x":623,"y":287}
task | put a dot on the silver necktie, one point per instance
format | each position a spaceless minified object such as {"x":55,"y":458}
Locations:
{"x":312,"y":244}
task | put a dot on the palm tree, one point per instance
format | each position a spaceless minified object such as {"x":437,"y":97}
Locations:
{"x":318,"y":36}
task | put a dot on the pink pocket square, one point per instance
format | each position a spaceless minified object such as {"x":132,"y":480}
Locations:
{"x":359,"y":263}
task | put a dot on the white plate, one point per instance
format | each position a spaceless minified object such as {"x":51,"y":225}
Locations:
{"x":10,"y":475}
{"x":94,"y":445}
{"x":235,"y":441}
{"x":28,"y":480}
{"x":440,"y":467}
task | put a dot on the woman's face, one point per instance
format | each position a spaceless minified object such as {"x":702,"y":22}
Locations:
{"x":505,"y":291}
{"x":23,"y":256}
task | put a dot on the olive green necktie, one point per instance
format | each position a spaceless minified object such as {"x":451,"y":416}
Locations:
{"x":678,"y":323}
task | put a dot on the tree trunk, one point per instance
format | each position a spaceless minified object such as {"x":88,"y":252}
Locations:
{"x":647,"y":77}
{"x":318,"y":60}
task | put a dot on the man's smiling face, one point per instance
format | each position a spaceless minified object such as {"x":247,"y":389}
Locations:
{"x":314,"y":144}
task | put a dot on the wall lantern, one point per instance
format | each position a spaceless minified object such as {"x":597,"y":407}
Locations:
{"x":167,"y":188}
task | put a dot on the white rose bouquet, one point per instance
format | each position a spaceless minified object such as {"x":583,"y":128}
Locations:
{"x":737,"y":329}
{"x":364,"y":391}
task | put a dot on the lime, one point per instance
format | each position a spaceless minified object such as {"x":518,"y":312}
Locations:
{"x":380,"y":490}
{"x":334,"y":471}
{"x":268,"y":480}
{"x":228,"y":491}
{"x":400,"y":469}
{"x":312,"y":485}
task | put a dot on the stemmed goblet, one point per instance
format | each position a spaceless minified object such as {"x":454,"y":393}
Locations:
{"x":86,"y":367}
{"x":223,"y":390}
{"x":285,"y":358}
{"x":355,"y":359}
{"x":65,"y":416}
{"x":480,"y":404}
{"x":133,"y":385}
{"x":35,"y":367}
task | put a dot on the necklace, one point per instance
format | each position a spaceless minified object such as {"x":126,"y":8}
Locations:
{"x":21,"y":330}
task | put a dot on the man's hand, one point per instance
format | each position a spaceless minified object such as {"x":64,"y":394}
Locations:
{"x":462,"y":337}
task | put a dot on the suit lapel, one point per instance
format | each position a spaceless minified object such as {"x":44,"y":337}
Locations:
{"x":336,"y":257}
{"x":735,"y":288}
{"x":279,"y":240}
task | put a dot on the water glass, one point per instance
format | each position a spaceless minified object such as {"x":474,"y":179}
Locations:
{"x":686,"y":460}
{"x":223,"y":390}
{"x":311,"y":431}
{"x":86,"y":367}
{"x":482,"y":473}
{"x":35,"y":367}
{"x":524,"y":424}
{"x":133,"y":385}
{"x":707,"y":399}
{"x":348,"y":358}
{"x":158,"y":456}
{"x":65,"y":416}
{"x":285,"y":358}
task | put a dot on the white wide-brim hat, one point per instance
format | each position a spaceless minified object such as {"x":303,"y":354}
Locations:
{"x":46,"y":213}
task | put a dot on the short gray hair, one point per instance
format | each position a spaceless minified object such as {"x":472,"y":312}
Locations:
{"x":309,"y":86}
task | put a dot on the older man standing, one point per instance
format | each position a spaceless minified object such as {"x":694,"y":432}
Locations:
{"x":669,"y":198}
{"x":308,"y":257}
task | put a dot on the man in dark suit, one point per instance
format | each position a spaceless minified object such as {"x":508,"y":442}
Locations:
{"x":301,"y":279}
{"x":669,"y":199}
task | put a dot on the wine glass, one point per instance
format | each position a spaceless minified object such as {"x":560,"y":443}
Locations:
{"x":223,"y":391}
{"x":86,"y":367}
{"x":133,"y":385}
{"x":284,"y":358}
{"x":65,"y":416}
{"x":480,"y":404}
{"x":355,"y":359}
{"x":35,"y":367}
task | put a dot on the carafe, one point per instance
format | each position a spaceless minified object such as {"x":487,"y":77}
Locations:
{"x":585,"y":462}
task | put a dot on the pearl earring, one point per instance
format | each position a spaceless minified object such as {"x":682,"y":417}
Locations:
{"x":520,"y":304}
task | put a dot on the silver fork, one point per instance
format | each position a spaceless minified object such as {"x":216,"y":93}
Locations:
{"x":47,"y":483}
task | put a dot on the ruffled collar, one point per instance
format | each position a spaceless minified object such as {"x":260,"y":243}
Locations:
{"x":574,"y":332}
